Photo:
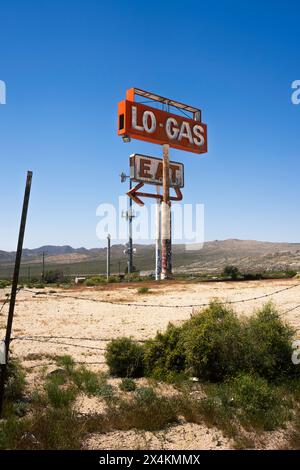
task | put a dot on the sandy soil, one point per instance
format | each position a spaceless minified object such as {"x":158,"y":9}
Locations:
{"x":76,"y":322}
{"x":184,"y":436}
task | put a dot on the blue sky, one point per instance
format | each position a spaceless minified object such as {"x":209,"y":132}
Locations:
{"x":68,"y":63}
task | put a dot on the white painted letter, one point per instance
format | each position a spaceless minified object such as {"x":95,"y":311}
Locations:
{"x":185,"y":131}
{"x":198,"y":131}
{"x":134,"y":119}
{"x":149,"y":114}
{"x":171,"y":129}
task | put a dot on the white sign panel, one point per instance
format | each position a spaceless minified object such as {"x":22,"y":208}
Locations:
{"x":145,"y":169}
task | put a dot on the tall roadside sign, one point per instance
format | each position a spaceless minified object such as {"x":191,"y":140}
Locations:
{"x":175,"y":125}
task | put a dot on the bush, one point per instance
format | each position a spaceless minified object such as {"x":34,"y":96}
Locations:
{"x":165,"y":353}
{"x":247,"y":399}
{"x":113,"y":279}
{"x":259,"y":404}
{"x":53,"y":277}
{"x":4,"y":284}
{"x":59,"y":397}
{"x":268,"y":344}
{"x":213,"y":343}
{"x":15,"y":382}
{"x":143,"y":290}
{"x":66,"y":361}
{"x":290,"y":273}
{"x":147,"y":411}
{"x":252,"y":276}
{"x":127,"y":385}
{"x":125,"y":358}
{"x":86,"y":380}
{"x":95,"y":281}
{"x":231,"y":271}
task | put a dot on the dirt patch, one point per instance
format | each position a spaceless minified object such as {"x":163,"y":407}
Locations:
{"x":184,"y":436}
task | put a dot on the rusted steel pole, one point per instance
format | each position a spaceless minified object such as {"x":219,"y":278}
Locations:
{"x":166,"y":247}
{"x":158,"y":238}
{"x":14,"y":286}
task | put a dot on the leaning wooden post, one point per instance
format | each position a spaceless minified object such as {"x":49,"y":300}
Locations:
{"x":14,"y":287}
{"x":166,"y":268}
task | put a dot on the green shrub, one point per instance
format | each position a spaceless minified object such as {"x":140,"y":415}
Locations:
{"x":231,"y":272}
{"x":258,"y":403}
{"x":54,"y":277}
{"x":145,"y":395}
{"x":95,"y":281}
{"x":252,"y":276}
{"x":58,"y":396}
{"x":15,"y":382}
{"x":147,"y":411}
{"x":4,"y":283}
{"x":85,"y":380}
{"x":113,"y":279}
{"x":106,"y":391}
{"x":165,"y":353}
{"x":245,"y":400}
{"x":127,"y":385}
{"x":268,"y":344}
{"x":125,"y":358}
{"x":213,"y":343}
{"x":290,"y":273}
{"x":66,"y":361}
{"x":143,"y":290}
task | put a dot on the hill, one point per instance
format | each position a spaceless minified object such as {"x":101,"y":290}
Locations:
{"x":248,"y":255}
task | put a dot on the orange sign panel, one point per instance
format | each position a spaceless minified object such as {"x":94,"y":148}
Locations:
{"x":142,"y":122}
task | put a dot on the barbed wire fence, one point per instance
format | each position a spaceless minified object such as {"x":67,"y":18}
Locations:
{"x":134,"y":304}
{"x":65,"y":340}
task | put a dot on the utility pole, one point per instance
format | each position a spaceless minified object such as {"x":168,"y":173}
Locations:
{"x":14,"y":287}
{"x":108,"y":258}
{"x":130,"y":247}
{"x":43,"y":266}
{"x":129,"y":216}
{"x":166,"y":270}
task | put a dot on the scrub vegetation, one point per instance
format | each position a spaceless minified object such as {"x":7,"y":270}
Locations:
{"x":227,"y":372}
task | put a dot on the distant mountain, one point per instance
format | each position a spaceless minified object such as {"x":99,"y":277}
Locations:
{"x":248,"y":255}
{"x":54,"y":250}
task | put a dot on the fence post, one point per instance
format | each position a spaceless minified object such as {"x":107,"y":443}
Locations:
{"x":14,"y":287}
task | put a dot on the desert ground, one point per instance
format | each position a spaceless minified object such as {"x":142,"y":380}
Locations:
{"x":80,"y":321}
